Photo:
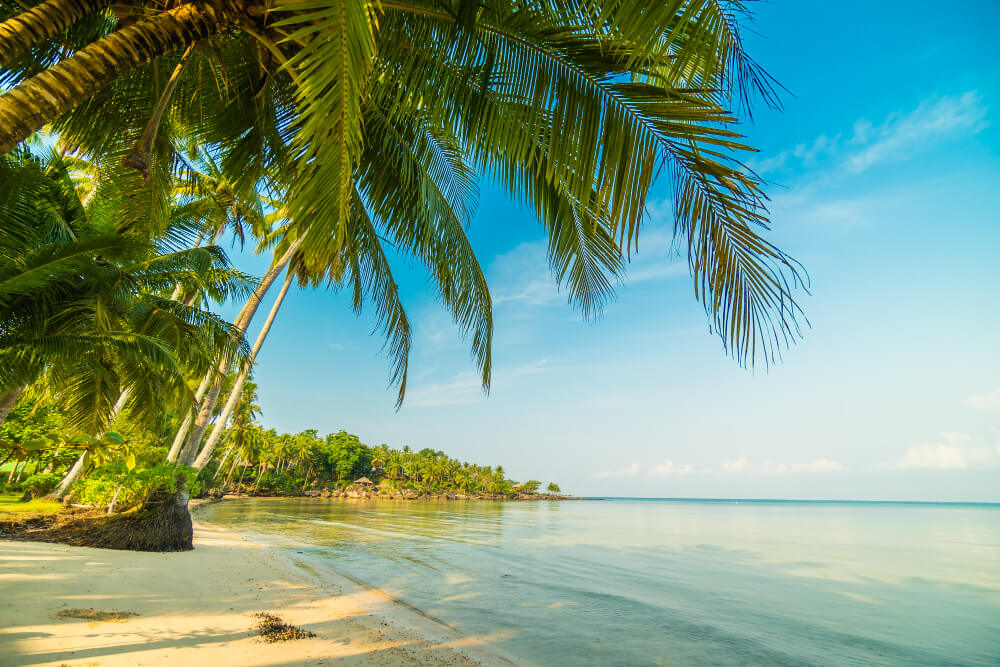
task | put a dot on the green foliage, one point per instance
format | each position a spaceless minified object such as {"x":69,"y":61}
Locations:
{"x":553,"y":488}
{"x":531,"y":486}
{"x":84,"y":314}
{"x":41,"y":484}
{"x":278,"y":482}
{"x":348,"y":458}
{"x":131,"y":486}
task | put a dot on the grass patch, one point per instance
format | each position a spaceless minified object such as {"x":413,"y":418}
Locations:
{"x":10,"y":504}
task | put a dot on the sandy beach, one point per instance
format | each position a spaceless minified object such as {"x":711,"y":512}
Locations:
{"x":196,"y":608}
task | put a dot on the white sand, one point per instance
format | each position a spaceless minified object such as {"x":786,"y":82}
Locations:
{"x":195,"y":608}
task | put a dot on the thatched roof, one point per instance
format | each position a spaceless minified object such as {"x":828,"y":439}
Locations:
{"x":363,"y":480}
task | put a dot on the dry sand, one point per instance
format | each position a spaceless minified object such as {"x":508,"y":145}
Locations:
{"x":196,"y":608}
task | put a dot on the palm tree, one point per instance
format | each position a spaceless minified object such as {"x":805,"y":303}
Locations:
{"x":574,"y":107}
{"x":83,"y":304}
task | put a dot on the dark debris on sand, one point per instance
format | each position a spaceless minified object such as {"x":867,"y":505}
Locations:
{"x":271,"y":628}
{"x":91,"y":614}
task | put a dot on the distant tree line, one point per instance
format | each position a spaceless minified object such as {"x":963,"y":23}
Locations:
{"x":37,"y":448}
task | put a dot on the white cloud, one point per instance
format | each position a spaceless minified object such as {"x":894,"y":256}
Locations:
{"x":958,"y":451}
{"x":668,"y":468}
{"x":466,"y":387}
{"x":735,"y":466}
{"x":898,"y":137}
{"x":463,"y":388}
{"x":902,"y":135}
{"x":336,"y":346}
{"x":522,"y":275}
{"x":938,"y":457}
{"x":630,"y":471}
{"x":986,"y":402}
{"x":818,"y":465}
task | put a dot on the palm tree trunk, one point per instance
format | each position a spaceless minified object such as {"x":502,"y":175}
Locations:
{"x":32,"y":27}
{"x":249,"y":309}
{"x":141,"y":155}
{"x":175,"y":447}
{"x":8,"y":400}
{"x":63,"y":489}
{"x":237,"y":390}
{"x":62,"y":87}
{"x":232,"y":469}
{"x":13,"y":471}
{"x":222,"y":461}
{"x":114,"y":500}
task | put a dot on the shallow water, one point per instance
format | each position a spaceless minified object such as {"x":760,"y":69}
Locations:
{"x":675,"y":582}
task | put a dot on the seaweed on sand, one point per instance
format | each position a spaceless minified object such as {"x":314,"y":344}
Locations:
{"x":271,"y":628}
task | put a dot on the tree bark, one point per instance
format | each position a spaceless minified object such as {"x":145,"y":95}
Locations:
{"x":48,"y":95}
{"x":141,"y":155}
{"x":8,"y":400}
{"x":34,"y":26}
{"x":175,"y":447}
{"x":237,"y":391}
{"x":63,"y":489}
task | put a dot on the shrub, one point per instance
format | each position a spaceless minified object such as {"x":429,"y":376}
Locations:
{"x":132,"y":486}
{"x":40,"y":484}
{"x":277,"y":482}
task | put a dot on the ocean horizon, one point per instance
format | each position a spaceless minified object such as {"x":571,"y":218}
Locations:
{"x":791,"y":500}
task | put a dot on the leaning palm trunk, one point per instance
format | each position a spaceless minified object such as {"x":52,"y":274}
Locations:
{"x":190,"y":450}
{"x":237,"y":391}
{"x":46,"y":96}
{"x":163,"y":522}
{"x":8,"y":400}
{"x":32,"y":27}
{"x":175,"y":447}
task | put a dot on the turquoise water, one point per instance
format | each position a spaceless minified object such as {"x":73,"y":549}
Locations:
{"x":673,"y":582}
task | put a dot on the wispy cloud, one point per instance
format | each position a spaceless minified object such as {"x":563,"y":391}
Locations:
{"x":630,"y":471}
{"x":466,"y":387}
{"x":668,"y":468}
{"x":463,"y":388}
{"x":986,"y":402}
{"x":902,"y":135}
{"x":898,"y":137}
{"x":336,"y":346}
{"x":522,"y":276}
{"x":956,"y":451}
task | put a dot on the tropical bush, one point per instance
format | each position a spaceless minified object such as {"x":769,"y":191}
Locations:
{"x":40,"y":484}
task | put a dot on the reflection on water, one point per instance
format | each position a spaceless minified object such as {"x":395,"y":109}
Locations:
{"x":671,"y":582}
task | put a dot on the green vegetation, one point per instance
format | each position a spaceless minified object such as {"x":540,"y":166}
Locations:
{"x":11,"y":504}
{"x":331,"y":136}
{"x":258,"y":461}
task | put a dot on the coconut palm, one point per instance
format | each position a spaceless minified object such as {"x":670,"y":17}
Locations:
{"x":84,"y":305}
{"x":573,"y":107}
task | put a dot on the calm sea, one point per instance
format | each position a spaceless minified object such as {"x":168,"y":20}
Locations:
{"x":678,"y":582}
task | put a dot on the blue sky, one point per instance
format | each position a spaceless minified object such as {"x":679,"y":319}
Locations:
{"x":883,"y":171}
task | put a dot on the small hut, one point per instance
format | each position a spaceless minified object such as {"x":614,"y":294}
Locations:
{"x":364,"y":481}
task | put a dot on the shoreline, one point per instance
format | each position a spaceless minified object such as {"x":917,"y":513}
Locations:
{"x":196,"y":607}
